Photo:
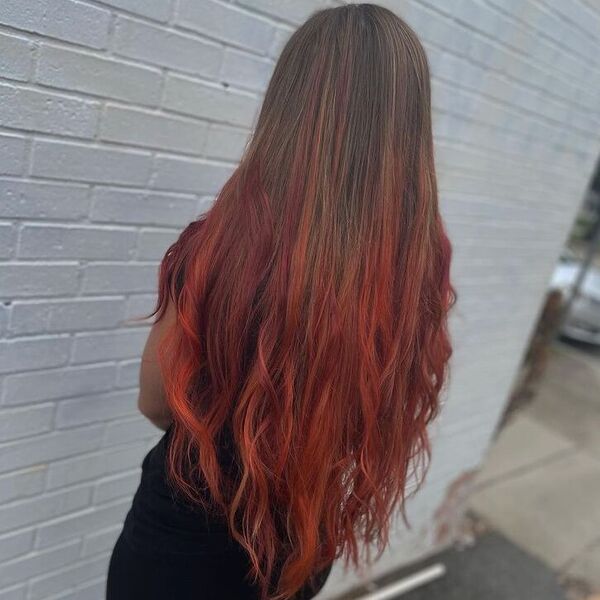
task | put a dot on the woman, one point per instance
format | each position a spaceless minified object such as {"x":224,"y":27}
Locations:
{"x":300,"y":341}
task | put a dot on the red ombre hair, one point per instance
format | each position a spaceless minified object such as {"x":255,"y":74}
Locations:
{"x":312,"y":303}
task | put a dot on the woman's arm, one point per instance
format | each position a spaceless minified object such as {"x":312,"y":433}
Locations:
{"x":151,"y":401}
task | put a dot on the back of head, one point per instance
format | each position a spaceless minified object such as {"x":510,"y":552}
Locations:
{"x":312,"y":302}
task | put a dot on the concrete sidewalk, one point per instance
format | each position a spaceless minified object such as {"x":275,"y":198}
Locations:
{"x":540,"y":484}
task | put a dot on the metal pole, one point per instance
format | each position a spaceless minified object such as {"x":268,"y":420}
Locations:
{"x":593,"y":247}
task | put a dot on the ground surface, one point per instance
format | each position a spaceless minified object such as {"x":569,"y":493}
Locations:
{"x":535,"y":529}
{"x":491,"y":569}
{"x":540,"y":484}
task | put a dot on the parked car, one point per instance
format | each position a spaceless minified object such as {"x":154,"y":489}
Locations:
{"x":583,"y":321}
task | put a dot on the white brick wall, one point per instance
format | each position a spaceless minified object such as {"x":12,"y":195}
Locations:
{"x":120,"y":119}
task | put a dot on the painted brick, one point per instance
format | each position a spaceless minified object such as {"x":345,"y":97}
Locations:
{"x":166,"y":48}
{"x":225,"y":143}
{"x":159,"y":11}
{"x":71,"y":70}
{"x":139,"y":305}
{"x":205,"y":203}
{"x":47,"y":112}
{"x":4,"y":312}
{"x":73,"y":575}
{"x":516,"y":104}
{"x":152,"y":130}
{"x":111,"y":345}
{"x":189,"y":175}
{"x":112,"y":205}
{"x":119,"y":278}
{"x":48,"y":447}
{"x":12,"y":155}
{"x":192,"y":97}
{"x":20,"y":484}
{"x":91,"y":243}
{"x":37,"y":562}
{"x":92,"y":466}
{"x":20,"y":280}
{"x":80,"y":522}
{"x":225,"y":22}
{"x":43,"y":507}
{"x":100,"y":541}
{"x":133,"y":429}
{"x":92,"y":590}
{"x":295,"y":12}
{"x":34,"y":353}
{"x":153,"y":243}
{"x":16,"y":544}
{"x":246,"y":70}
{"x":16,"y":57}
{"x":93,"y":409}
{"x":81,"y":314}
{"x":282,"y":35}
{"x":39,"y":386}
{"x":16,"y":592}
{"x":118,"y":486}
{"x":128,"y":374}
{"x":21,"y":422}
{"x":76,"y":162}
{"x":36,"y":200}
{"x":67,"y":20}
{"x":7,"y":239}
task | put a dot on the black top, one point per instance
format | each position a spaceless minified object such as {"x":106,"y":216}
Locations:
{"x":164,"y":527}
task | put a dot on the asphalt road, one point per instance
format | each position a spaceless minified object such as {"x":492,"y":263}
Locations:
{"x":492,"y":569}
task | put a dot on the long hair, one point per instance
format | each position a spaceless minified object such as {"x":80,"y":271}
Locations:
{"x":312,"y":303}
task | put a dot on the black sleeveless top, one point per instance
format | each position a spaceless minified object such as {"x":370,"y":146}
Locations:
{"x":168,"y":530}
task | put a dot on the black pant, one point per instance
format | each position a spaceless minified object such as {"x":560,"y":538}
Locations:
{"x":137,"y":575}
